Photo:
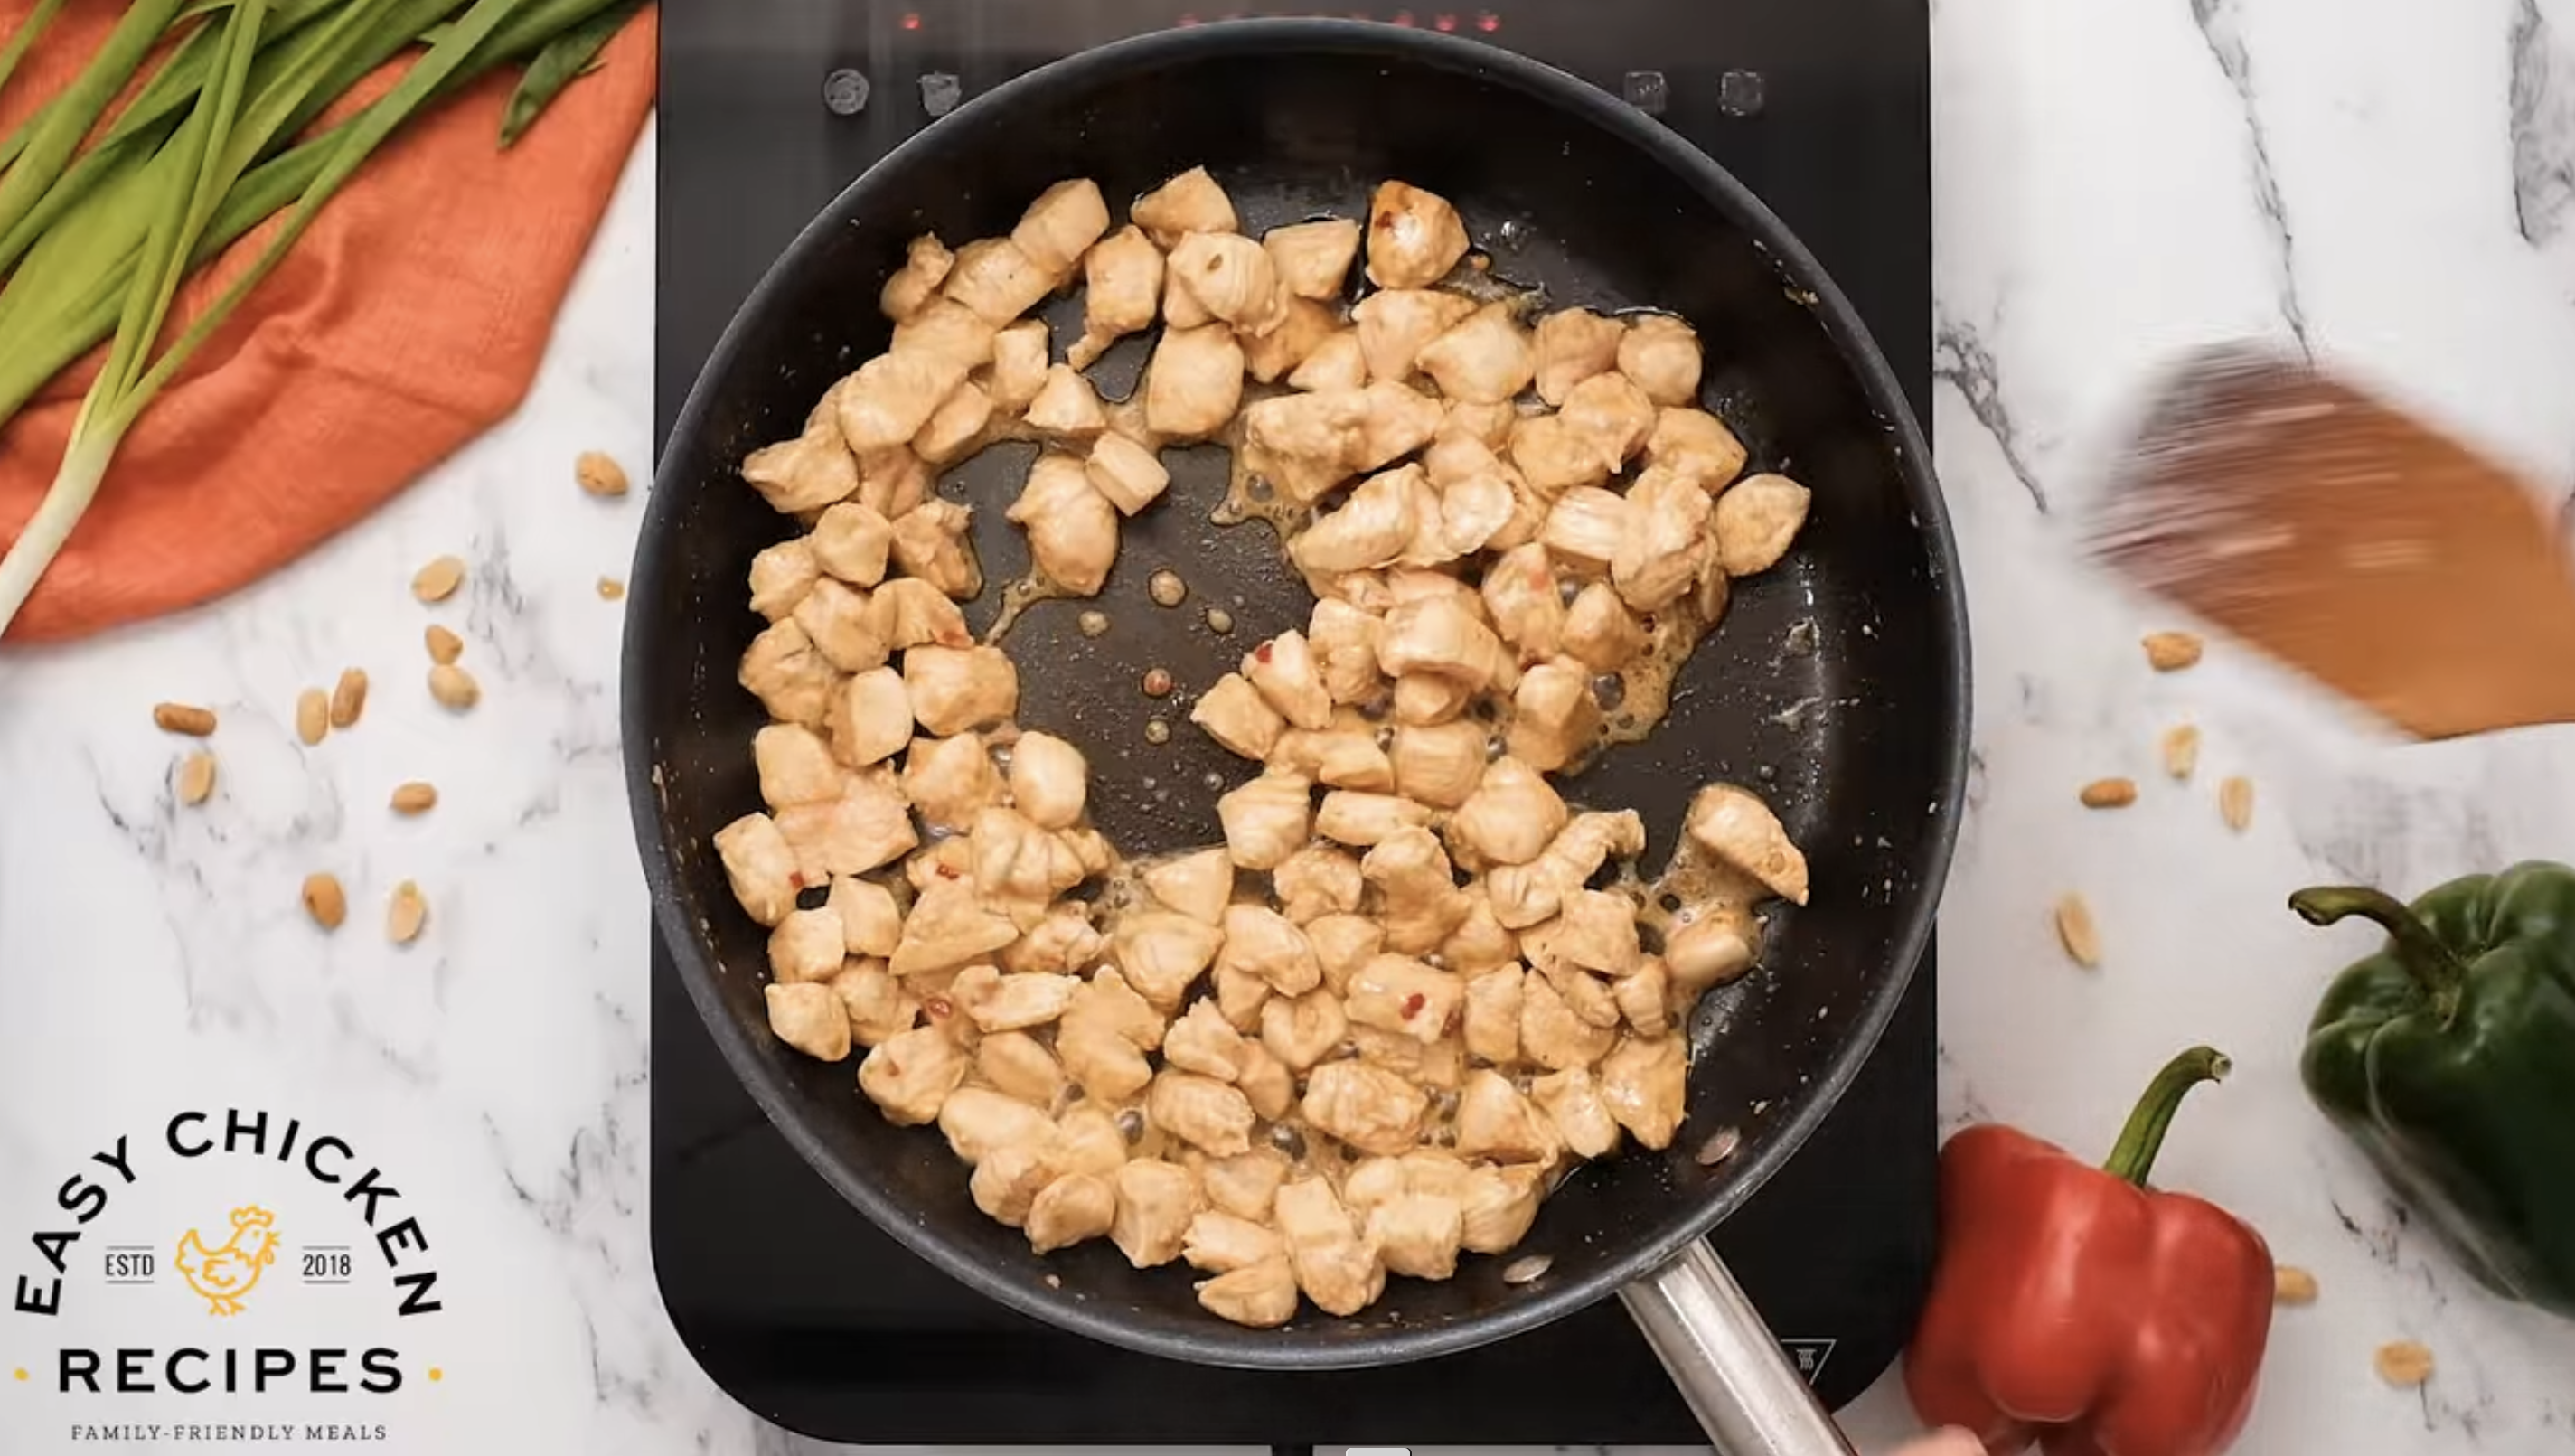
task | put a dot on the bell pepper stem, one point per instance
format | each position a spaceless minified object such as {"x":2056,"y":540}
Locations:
{"x":2421,"y":952}
{"x":2132,"y":1157}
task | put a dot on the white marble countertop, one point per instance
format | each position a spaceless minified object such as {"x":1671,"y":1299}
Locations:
{"x":2114,"y":180}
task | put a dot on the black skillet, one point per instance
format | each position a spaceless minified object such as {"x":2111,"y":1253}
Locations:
{"x":1837,"y":684}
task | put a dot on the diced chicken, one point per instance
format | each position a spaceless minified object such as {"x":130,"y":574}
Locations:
{"x":1441,"y":637}
{"x":759,"y":865}
{"x":1519,"y":592}
{"x":1596,"y":930}
{"x":1422,"y":700}
{"x":1500,"y":1205}
{"x":1266,"y":1082}
{"x":1413,"y":236}
{"x":1479,"y":942}
{"x":1314,"y":881}
{"x":807,"y":473}
{"x":1245,"y":1186}
{"x":807,"y":1016}
{"x":787,"y":675}
{"x":849,"y":540}
{"x":879,"y":1007}
{"x":1260,"y":942}
{"x":1202,"y":1041}
{"x":1370,"y":529}
{"x":890,"y":397}
{"x":1755,"y":521}
{"x":867,"y":826}
{"x":1695,"y":443}
{"x":1312,"y":259}
{"x":1554,"y":718}
{"x":1344,"y":641}
{"x":1071,"y":528}
{"x":949,"y":927}
{"x":1006,"y":1184}
{"x":1589,"y":997}
{"x":929,"y":542}
{"x":908,"y":611}
{"x":1495,"y":1121}
{"x":1510,"y":817}
{"x":1201,"y":1111}
{"x":1599,"y":632}
{"x":1553,"y":457}
{"x":1123,"y":276}
{"x":1492,"y":1015}
{"x":781,"y":575}
{"x":1644,"y":1083}
{"x":1417,"y":1234}
{"x":998,"y":281}
{"x":1020,"y":865}
{"x":1471,"y":512}
{"x":1344,"y":758}
{"x":1130,"y":476}
{"x":1019,"y":367}
{"x":958,"y":689}
{"x":1198,"y":885}
{"x":870,"y":718}
{"x":911,"y":1075}
{"x":1484,"y":360}
{"x":1050,"y":781}
{"x":1194,"y":383}
{"x":1661,"y":353}
{"x":1156,"y":1202}
{"x":1301,"y":1030}
{"x":1610,"y":412}
{"x":1235,"y":715}
{"x":1438,"y":763}
{"x":1107,"y":1003}
{"x":1062,"y":940}
{"x":1301,"y":326}
{"x":1283,"y":670}
{"x":948,"y":779}
{"x":947,"y":330}
{"x":1180,"y":308}
{"x":1666,"y":540}
{"x":1065,"y":221}
{"x":869,"y":924}
{"x":1161,"y":954}
{"x":1232,"y":278}
{"x":1584,"y":526}
{"x":835,"y":618}
{"x":1342,"y":943}
{"x":1400,"y":994}
{"x":1066,"y":406}
{"x":1706,"y":950}
{"x":1220,"y":1241}
{"x":1189,"y":203}
{"x":806,"y":946}
{"x":1349,"y":817}
{"x":1306,"y":445}
{"x":1395,"y":323}
{"x":1367,"y":1108}
{"x":1336,"y":364}
{"x":1398,"y":421}
{"x":1018,"y":1065}
{"x":1073,"y":1209}
{"x":1266,"y":820}
{"x":1418,"y":901}
{"x":1574,"y":345}
{"x":1552,"y":1033}
{"x":892,"y":482}
{"x":1240,"y":998}
{"x":924,"y":267}
{"x":955,"y":425}
{"x":1737,"y":826}
{"x":1262,"y":1296}
{"x":796,"y":766}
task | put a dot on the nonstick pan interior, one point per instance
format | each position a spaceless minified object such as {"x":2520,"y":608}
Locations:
{"x":1835,"y":684}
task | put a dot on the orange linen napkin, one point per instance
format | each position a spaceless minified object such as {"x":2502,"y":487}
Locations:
{"x":409,"y":319}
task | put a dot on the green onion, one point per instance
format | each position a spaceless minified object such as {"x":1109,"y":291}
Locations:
{"x":69,"y":116}
{"x":566,"y":58}
{"x":22,"y":40}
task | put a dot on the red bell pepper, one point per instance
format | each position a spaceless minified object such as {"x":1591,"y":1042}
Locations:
{"x":2078,"y":1308}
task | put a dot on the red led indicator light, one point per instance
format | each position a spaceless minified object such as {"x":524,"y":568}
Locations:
{"x":1445,"y":23}
{"x":1489,"y":22}
{"x":911,"y":22}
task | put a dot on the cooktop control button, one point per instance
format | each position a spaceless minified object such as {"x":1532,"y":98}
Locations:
{"x":1740,"y":93}
{"x":939,"y":93}
{"x":845,"y":92}
{"x":1647,"y":91}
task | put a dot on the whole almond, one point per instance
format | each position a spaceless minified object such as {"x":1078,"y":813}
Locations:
{"x":415,"y":797}
{"x":610,"y":589}
{"x":439,"y":580}
{"x":324,"y":901}
{"x":453,"y":687}
{"x":405,"y":913}
{"x":2075,"y":928}
{"x":2181,"y":750}
{"x":598,"y":475}
{"x":349,"y":697}
{"x":444,"y":646}
{"x":312,"y":715}
{"x":2170,"y":652}
{"x":196,"y":778}
{"x":2292,"y":1285}
{"x":2404,"y":1363}
{"x":183,"y":717}
{"x":2109,"y":794}
{"x":2235,"y":803}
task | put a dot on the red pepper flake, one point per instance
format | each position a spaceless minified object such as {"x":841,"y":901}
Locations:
{"x":947,"y":871}
{"x":1412,"y":1005}
{"x":796,"y":879}
{"x":1260,"y":654}
{"x":938,"y":1007}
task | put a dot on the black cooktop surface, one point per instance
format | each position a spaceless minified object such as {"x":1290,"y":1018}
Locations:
{"x":794,"y":1302}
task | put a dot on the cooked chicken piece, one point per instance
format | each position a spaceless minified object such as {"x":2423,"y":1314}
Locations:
{"x":924,"y":267}
{"x":1523,"y":895}
{"x":890,"y":397}
{"x":1201,"y":1111}
{"x":1050,"y":781}
{"x":1180,"y":308}
{"x":1495,"y":1121}
{"x":1230,"y":277}
{"x":892,"y":482}
{"x":1661,"y":353}
{"x":1262,"y":1296}
{"x":1006,"y":1184}
{"x":1283,"y":670}
{"x":949,"y":331}
{"x":1266,"y":1082}
{"x":790,"y":677}
{"x":945,"y":858}
{"x":1163,"y":954}
{"x":1361,"y":819}
{"x":1062,"y":940}
{"x":1071,"y":528}
{"x":1018,"y":1065}
{"x":1417,"y":1234}
{"x":1645,"y":1085}
{"x":1413,"y":236}
{"x":1599,"y":632}
{"x":958,"y":689}
{"x":1240,"y":998}
{"x":1492,"y":1015}
{"x":1422,"y":700}
{"x":949,"y":927}
{"x":1245,"y":1186}
{"x":1553,"y":457}
{"x":1220,"y":1241}
{"x":1695,"y":443}
{"x":1157,"y":1201}
{"x":1368,"y":1107}
{"x":997,"y":280}
{"x":1303,"y":326}
{"x":1667,"y":541}
{"x":1123,"y":276}
{"x":1194,"y":383}
{"x":869,"y":923}
{"x":807,"y":473}
{"x":1370,"y":529}
{"x":1266,"y":820}
{"x":1202,"y":1041}
{"x":879,"y":1007}
{"x":1554,"y":717}
{"x":1073,"y":1209}
{"x":1334,"y":364}
{"x":1065,"y":221}
{"x":1596,"y":930}
{"x":1510,"y":817}
{"x":795,"y":764}
{"x":1709,"y":949}
{"x":1438,"y":763}
{"x":867,"y":826}
{"x":1260,"y":942}
{"x":1441,"y":637}
{"x":1306,"y":445}
{"x":1419,"y":899}
{"x":1715,"y":591}
{"x":1552,"y":1033}
{"x":759,"y":865}
{"x":871,"y":717}
{"x":1196,"y":885}
{"x":1584,"y":527}
{"x":911,"y":1075}
{"x":1372,"y":1182}
{"x":806,"y":946}
{"x":997,"y":1003}
{"x":929,"y":542}
{"x":1088,"y":1140}
{"x":1610,"y":412}
{"x":1400,"y":994}
{"x":781,"y":575}
{"x":1189,"y":203}
{"x":1301,"y":1030}
{"x":1312,"y":259}
{"x":835,"y":618}
{"x":1344,"y":758}
{"x":1737,"y":826}
{"x":1235,"y":715}
{"x":1500,"y":1205}
{"x":1019,"y":366}
{"x":1129,"y":475}
{"x":1342,"y":943}
{"x":908,"y":611}
{"x":1471,"y":512}
{"x":1107,"y":1004}
{"x":849,"y":540}
{"x":1519,"y":592}
{"x":948,"y":779}
{"x":1342,"y":640}
{"x":1398,"y":421}
{"x":1395,"y":323}
{"x":1644,"y":997}
{"x":807,"y":1016}
{"x":1484,"y":360}
{"x":1574,"y":345}
{"x":1066,"y":406}
{"x":1755,"y":521}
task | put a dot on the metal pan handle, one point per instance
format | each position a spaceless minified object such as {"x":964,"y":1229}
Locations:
{"x":1747,"y":1396}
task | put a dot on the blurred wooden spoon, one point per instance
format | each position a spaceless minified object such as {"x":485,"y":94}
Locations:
{"x":2350,"y":539}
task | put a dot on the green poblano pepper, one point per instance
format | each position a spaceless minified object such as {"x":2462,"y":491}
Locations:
{"x":2448,"y":1057}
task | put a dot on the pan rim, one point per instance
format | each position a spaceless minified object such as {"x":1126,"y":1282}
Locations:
{"x":1687,"y":167}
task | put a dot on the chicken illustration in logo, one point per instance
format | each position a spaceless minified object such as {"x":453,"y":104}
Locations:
{"x":226,"y":1272}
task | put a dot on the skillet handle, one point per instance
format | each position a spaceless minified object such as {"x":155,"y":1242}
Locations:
{"x":1747,"y":1396}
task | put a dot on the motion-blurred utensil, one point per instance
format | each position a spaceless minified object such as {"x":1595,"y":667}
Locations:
{"x":2351,"y":538}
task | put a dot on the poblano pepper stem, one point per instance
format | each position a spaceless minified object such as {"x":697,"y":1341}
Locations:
{"x":2132,"y":1157}
{"x":2421,"y":952}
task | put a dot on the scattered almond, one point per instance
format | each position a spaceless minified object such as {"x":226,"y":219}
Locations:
{"x":2075,"y":928}
{"x":415,"y":797}
{"x":405,"y":914}
{"x":2235,"y":803}
{"x":2170,"y":652}
{"x":182,"y":717}
{"x":610,"y":589}
{"x":324,"y":901}
{"x":196,"y":778}
{"x":453,"y":687}
{"x":598,"y":475}
{"x":444,"y":646}
{"x":2404,"y":1362}
{"x":439,"y":580}
{"x":2109,"y":794}
{"x":349,"y":697}
{"x":312,"y":715}
{"x":2181,"y":750}
{"x":2292,"y":1285}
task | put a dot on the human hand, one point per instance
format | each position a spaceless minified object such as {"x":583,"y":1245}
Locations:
{"x":1950,"y":1442}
